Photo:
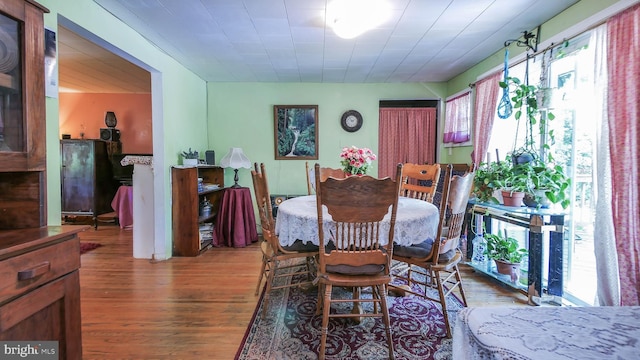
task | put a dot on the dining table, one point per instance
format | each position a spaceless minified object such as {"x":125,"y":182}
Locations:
{"x":297,"y":219}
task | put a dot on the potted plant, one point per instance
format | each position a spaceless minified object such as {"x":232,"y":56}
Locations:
{"x":488,"y":179}
{"x":548,"y":184}
{"x":506,"y":253}
{"x":514,"y":184}
{"x":190,"y":157}
{"x":527,"y":101}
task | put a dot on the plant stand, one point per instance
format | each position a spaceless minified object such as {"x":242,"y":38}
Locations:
{"x":538,"y":222}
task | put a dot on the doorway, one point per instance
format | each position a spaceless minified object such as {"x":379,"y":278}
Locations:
{"x":408,"y":133}
{"x":95,"y":79}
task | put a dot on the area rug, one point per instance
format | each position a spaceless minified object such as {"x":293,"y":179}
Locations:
{"x":291,"y":330}
{"x":88,"y":246}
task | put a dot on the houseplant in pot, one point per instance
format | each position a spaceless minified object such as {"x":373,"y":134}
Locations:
{"x":190,"y":158}
{"x":525,"y":102}
{"x":514,"y":184}
{"x":506,"y":253}
{"x":488,"y":180}
{"x":549,"y":184}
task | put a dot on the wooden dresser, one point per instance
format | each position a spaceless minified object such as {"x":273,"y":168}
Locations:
{"x":40,"y":287}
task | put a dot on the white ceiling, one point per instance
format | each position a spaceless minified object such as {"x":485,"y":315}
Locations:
{"x":88,"y":68}
{"x":288,"y":41}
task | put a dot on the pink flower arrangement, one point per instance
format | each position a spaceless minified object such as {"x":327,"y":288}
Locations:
{"x":356,"y":161}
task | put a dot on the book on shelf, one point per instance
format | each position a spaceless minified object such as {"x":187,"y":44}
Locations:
{"x":206,"y":232}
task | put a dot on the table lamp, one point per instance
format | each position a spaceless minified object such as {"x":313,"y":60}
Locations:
{"x":235,"y":159}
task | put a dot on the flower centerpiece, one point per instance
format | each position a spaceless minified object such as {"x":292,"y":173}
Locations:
{"x":356,"y":161}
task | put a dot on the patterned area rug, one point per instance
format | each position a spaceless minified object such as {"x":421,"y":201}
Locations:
{"x":88,"y":246}
{"x":291,"y":330}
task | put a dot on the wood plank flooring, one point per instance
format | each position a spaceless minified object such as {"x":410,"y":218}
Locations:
{"x":187,"y":308}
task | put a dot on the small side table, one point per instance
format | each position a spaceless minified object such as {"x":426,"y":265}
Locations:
{"x":235,"y":223}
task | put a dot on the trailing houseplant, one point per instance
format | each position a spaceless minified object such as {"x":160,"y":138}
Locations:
{"x":488,"y":179}
{"x":548,"y":184}
{"x":525,"y":102}
{"x":512,"y":182}
{"x":544,"y":180}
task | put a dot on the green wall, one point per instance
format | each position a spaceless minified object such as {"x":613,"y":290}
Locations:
{"x":241,"y":115}
{"x":179,"y":106}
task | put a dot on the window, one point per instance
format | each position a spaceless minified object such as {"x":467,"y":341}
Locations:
{"x":566,"y":73}
{"x":457,"y":122}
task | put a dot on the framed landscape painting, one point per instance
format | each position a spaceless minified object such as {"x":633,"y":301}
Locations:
{"x":296,"y":132}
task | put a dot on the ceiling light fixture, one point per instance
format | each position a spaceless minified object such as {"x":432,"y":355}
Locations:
{"x":351,"y":18}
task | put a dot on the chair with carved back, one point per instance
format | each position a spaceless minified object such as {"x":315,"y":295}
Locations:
{"x":457,"y":169}
{"x":419,"y":181}
{"x":434,"y":264}
{"x":355,"y":251}
{"x":325,"y":172}
{"x":276,"y":262}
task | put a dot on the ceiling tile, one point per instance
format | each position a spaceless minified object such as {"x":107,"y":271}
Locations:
{"x":272,"y":40}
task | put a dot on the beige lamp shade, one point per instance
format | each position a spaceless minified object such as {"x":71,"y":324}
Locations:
{"x":235,"y":159}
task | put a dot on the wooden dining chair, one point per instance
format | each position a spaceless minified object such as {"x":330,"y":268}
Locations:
{"x":278,"y":262}
{"x":352,"y":254}
{"x":456,"y":169}
{"x":325,"y":172}
{"x":419,"y":181}
{"x":434,"y":264}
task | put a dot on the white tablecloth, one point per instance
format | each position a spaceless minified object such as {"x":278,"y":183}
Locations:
{"x":416,"y":221}
{"x":550,"y":333}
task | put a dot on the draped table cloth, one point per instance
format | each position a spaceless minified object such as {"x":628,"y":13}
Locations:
{"x":526,"y":332}
{"x":416,"y":221}
{"x":122,"y":204}
{"x":236,"y":222}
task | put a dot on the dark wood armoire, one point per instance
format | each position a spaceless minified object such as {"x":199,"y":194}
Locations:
{"x":87,"y":180}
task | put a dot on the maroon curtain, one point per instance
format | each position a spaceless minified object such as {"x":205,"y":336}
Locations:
{"x":486,"y":104}
{"x":406,"y":135}
{"x":624,"y":115}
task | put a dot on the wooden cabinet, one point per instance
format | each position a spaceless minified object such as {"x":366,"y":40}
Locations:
{"x":39,"y":283}
{"x":40,"y":287}
{"x":22,"y":115}
{"x":187,"y":199}
{"x":88,"y":186}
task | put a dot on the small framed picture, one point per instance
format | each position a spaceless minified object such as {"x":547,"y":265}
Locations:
{"x":296,"y":132}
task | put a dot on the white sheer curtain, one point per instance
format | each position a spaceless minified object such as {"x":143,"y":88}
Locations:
{"x":456,"y":120}
{"x":608,"y":291}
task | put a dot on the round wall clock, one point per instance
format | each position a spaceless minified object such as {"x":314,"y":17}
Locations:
{"x":351,"y":121}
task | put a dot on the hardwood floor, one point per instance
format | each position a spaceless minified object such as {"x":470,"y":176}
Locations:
{"x":186,"y":307}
